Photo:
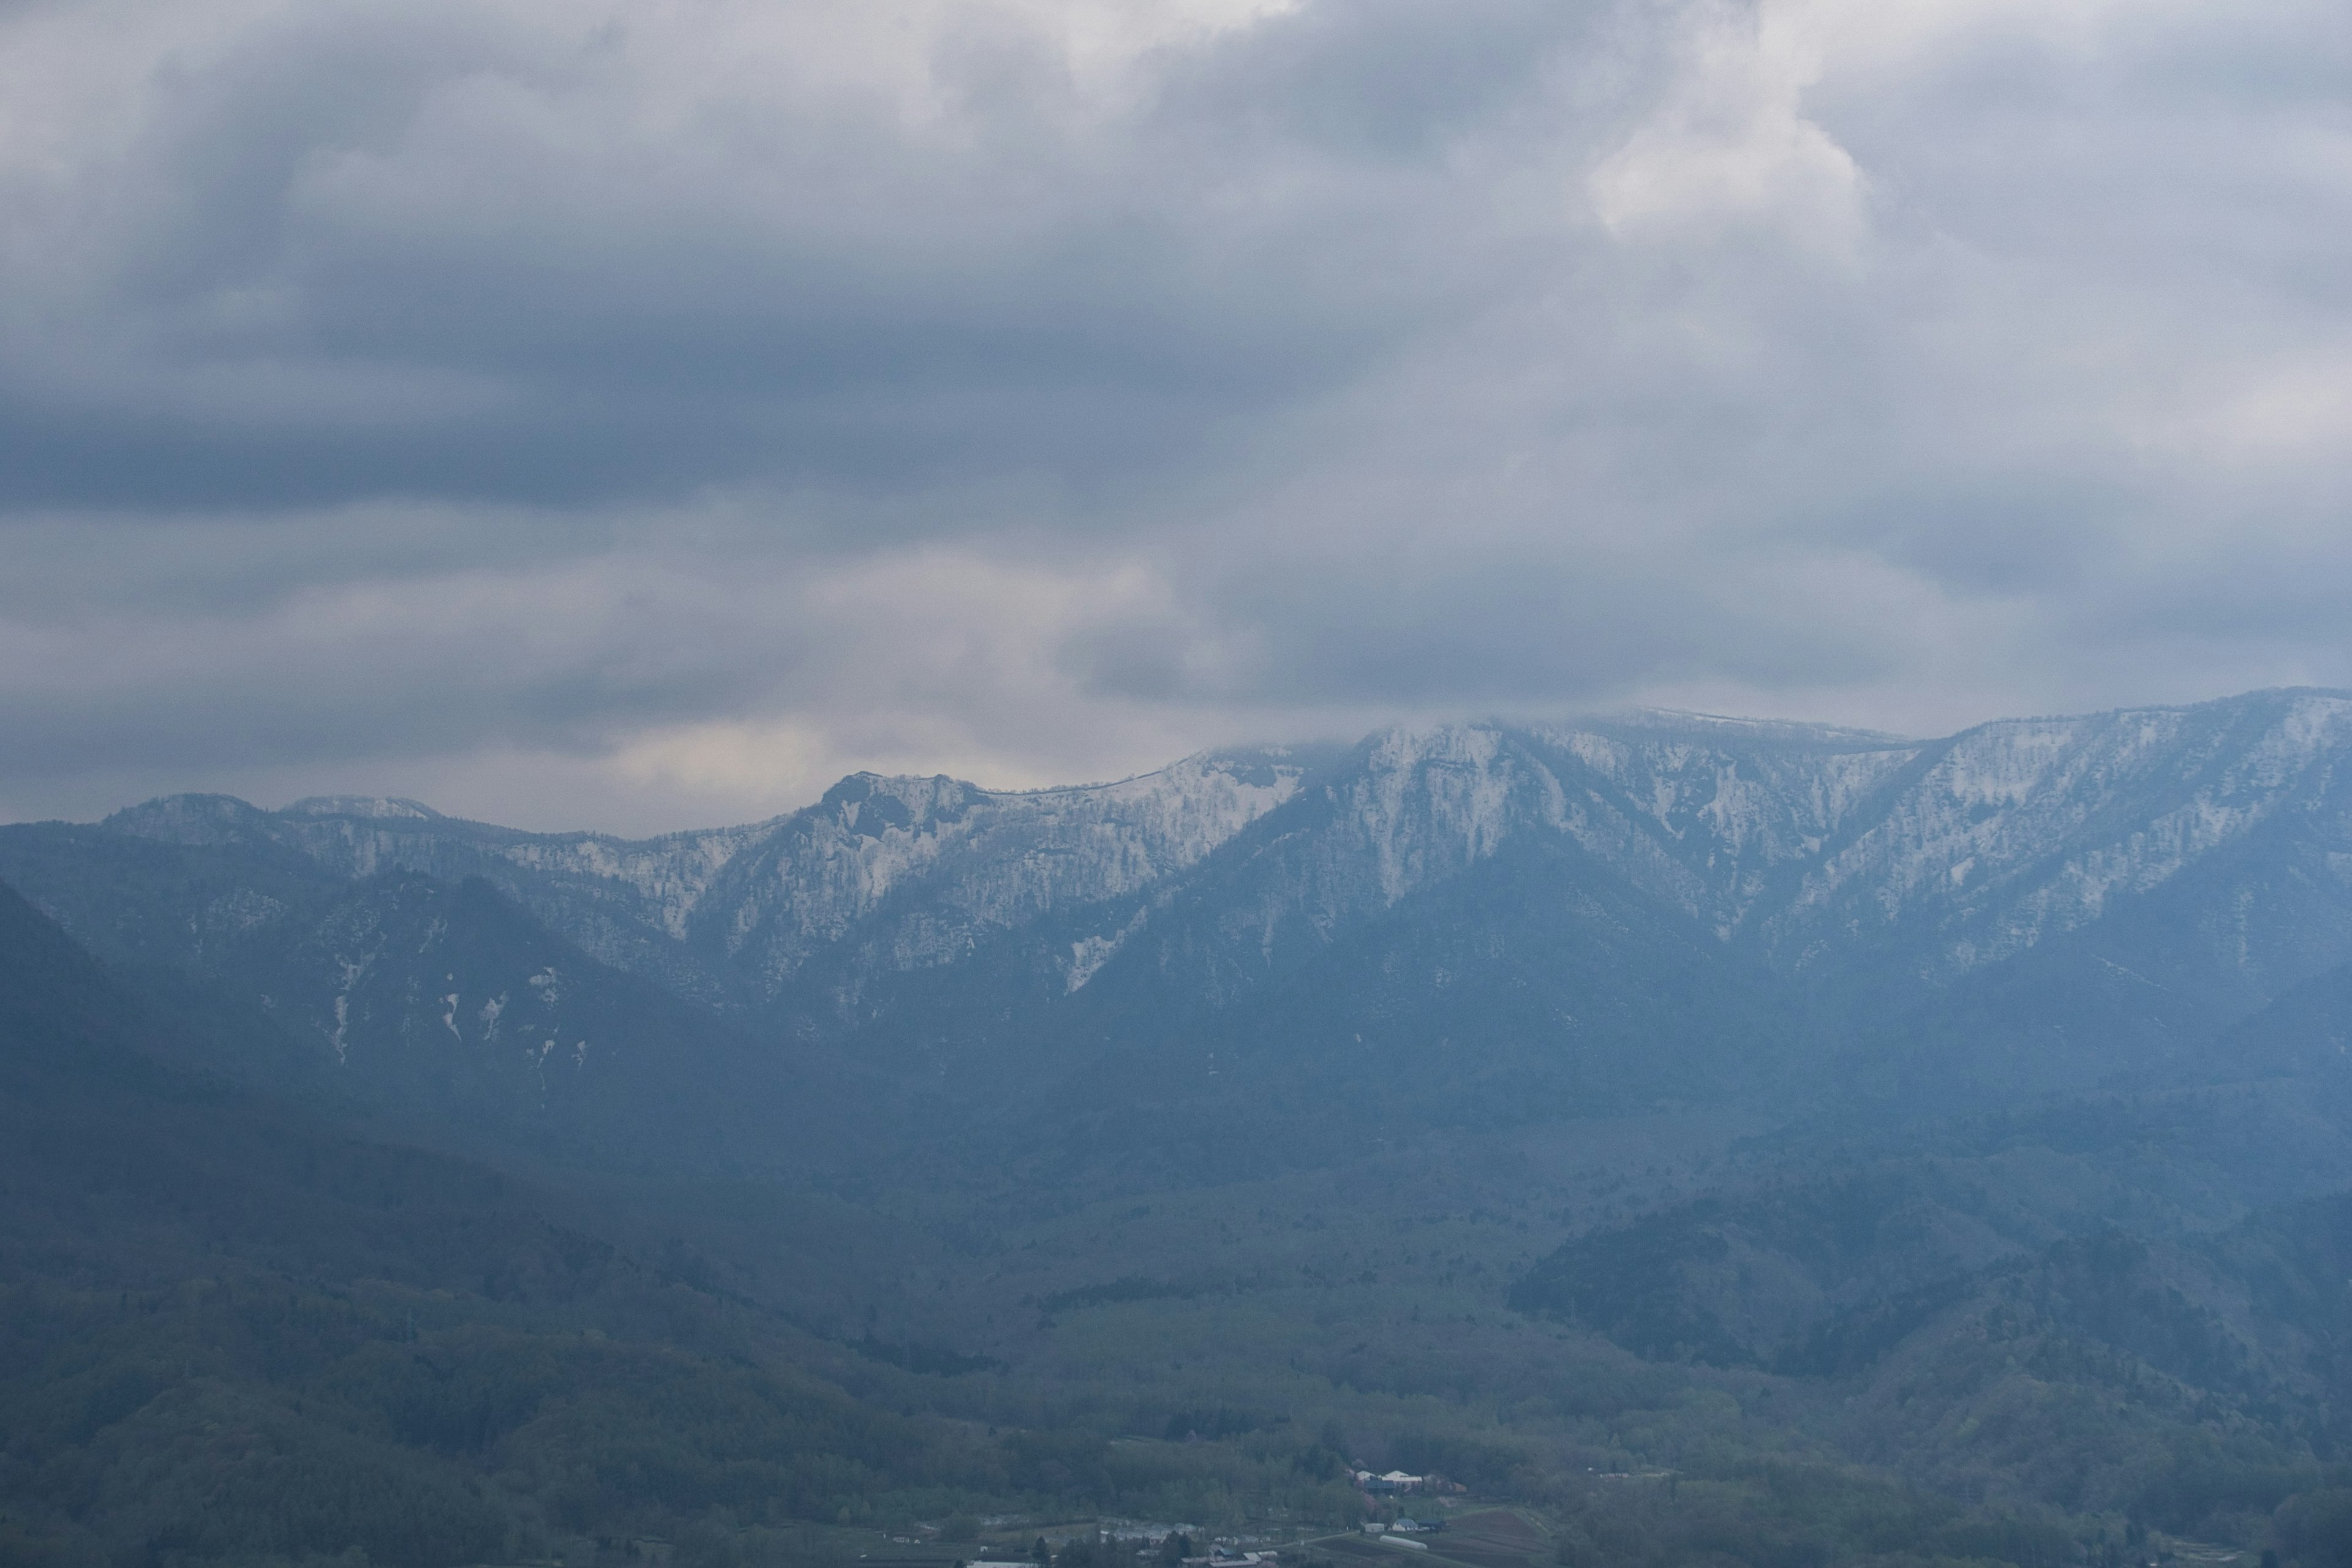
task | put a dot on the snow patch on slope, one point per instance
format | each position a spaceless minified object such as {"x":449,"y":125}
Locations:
{"x":2026,"y":828}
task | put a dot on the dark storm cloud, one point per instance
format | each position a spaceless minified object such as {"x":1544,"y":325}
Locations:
{"x":376,"y":667}
{"x":627,"y":411}
{"x":406,"y":251}
{"x":1389,"y":81}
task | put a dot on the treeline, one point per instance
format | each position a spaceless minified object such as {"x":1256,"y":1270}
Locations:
{"x":1777,"y":1514}
{"x":246,"y":1418}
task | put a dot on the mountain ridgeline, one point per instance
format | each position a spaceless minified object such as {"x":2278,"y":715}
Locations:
{"x":1735,"y":1142}
{"x":1495,"y":922}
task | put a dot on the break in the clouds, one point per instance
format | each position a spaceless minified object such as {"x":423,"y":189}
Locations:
{"x":630,"y":413}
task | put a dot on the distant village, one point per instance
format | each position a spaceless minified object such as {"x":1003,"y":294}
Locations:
{"x":1396,"y":1483}
{"x":1174,"y":1543}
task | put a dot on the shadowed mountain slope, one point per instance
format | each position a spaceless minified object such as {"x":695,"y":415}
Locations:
{"x":443,"y":1007}
{"x":230,"y":1332}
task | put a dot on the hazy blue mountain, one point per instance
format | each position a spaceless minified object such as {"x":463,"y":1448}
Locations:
{"x":444,"y":1005}
{"x":2306,"y":1031}
{"x":1483,"y":920}
{"x":2127,"y":1304}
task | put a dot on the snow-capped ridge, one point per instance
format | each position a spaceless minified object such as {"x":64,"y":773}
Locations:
{"x":1805,"y":842}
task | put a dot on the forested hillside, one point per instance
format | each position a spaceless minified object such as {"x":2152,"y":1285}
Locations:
{"x":232,"y":1333}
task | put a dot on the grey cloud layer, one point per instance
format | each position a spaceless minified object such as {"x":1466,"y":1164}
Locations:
{"x":484,"y":252}
{"x":664,"y":405}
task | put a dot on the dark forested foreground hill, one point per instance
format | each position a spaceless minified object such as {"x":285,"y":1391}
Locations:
{"x":1726,"y":1142}
{"x":228,"y":1331}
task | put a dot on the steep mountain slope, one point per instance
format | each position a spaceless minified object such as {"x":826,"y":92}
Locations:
{"x":882,"y":873}
{"x":443,"y":1007}
{"x":2018,"y":832}
{"x":2304,"y":1032}
{"x":1442,"y":952}
{"x":884,"y":876}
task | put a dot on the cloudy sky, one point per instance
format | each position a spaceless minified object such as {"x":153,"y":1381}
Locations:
{"x":637,"y":413}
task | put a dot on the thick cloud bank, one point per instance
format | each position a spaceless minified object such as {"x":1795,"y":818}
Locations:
{"x":628,"y":413}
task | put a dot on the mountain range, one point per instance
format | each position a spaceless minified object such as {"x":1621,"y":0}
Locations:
{"x":1490,"y":919}
{"x":1934,"y":1151}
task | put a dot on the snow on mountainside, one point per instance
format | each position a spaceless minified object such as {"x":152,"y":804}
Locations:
{"x":1694,"y":812}
{"x":2019,"y":830}
{"x":1477,"y":922}
{"x":1817,"y":842}
{"x":736,"y":911}
{"x":1814,"y":846}
{"x":1822,"y":850}
{"x":1690,"y":821}
{"x":1707,"y":813}
{"x":951,"y":861}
